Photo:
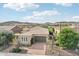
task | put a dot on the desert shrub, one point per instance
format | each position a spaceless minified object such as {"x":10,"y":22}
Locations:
{"x":68,"y":38}
{"x":16,"y":50}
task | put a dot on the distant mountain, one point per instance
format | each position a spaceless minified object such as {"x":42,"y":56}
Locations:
{"x":67,"y":23}
{"x":11,"y":23}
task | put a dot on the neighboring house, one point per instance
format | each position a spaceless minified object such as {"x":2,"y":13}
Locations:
{"x":35,"y":34}
{"x":14,"y":29}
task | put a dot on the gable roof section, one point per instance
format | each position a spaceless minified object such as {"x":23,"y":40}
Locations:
{"x":37,"y":30}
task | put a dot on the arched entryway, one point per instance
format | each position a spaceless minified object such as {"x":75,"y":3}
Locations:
{"x":32,"y":40}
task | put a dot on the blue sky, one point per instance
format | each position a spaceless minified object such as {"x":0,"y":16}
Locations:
{"x":39,"y":12}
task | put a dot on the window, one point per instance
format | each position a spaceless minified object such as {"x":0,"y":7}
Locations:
{"x":26,"y":38}
{"x":22,"y":39}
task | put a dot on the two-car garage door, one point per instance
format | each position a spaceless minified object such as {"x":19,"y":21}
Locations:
{"x":39,"y":39}
{"x":36,"y":39}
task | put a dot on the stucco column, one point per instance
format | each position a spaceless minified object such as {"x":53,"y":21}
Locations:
{"x":29,"y":40}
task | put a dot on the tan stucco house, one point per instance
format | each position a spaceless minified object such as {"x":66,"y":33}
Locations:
{"x":34,"y":35}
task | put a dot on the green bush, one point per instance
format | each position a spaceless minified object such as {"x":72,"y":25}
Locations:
{"x":16,"y":50}
{"x":6,"y":38}
{"x":68,"y":38}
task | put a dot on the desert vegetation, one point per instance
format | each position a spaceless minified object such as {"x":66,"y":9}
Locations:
{"x":68,"y":38}
{"x":5,"y":39}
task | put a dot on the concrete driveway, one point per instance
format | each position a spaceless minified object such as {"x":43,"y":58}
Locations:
{"x":38,"y":46}
{"x":37,"y":49}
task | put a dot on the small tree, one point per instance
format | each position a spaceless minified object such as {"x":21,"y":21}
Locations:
{"x":6,"y":38}
{"x":68,"y":38}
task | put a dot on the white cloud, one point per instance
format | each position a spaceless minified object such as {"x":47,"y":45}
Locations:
{"x":20,"y":6}
{"x":65,"y":4}
{"x":46,"y":13}
{"x":42,"y":16}
{"x":75,"y":17}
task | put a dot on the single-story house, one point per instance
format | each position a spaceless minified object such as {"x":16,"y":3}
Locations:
{"x":35,"y":34}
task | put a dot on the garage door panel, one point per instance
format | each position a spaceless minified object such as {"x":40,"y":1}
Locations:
{"x":40,"y":39}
